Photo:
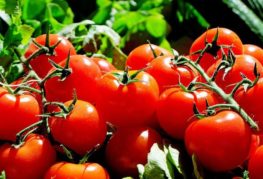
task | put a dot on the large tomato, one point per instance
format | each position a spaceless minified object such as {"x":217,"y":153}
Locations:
{"x":81,"y":130}
{"x":104,"y":65}
{"x":129,"y":147}
{"x":127,"y":104}
{"x":30,"y":160}
{"x":255,"y":51}
{"x":63,"y":170}
{"x":168,"y":74}
{"x":17,"y":112}
{"x":41,"y":64}
{"x":226,"y":37}
{"x":139,"y":57}
{"x":83,"y":78}
{"x":175,"y":109}
{"x":244,"y":64}
{"x":255,"y":164}
{"x":220,"y":142}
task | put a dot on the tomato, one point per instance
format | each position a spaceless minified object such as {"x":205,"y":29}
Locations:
{"x":255,"y":164}
{"x":220,"y":142}
{"x":250,"y":99}
{"x":63,"y":170}
{"x":254,"y":50}
{"x":243,"y":64}
{"x":129,"y":104}
{"x":104,"y":65}
{"x":175,"y":109}
{"x":226,"y":37}
{"x":30,"y":160}
{"x":83,"y":78}
{"x":255,"y":143}
{"x":81,"y":130}
{"x":139,"y":57}
{"x":129,"y":147}
{"x":40,"y":64}
{"x":167,"y":74}
{"x":17,"y":112}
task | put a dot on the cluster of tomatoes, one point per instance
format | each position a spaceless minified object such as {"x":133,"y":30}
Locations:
{"x":68,"y":104}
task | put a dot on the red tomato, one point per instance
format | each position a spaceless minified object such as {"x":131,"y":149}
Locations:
{"x":83,"y":78}
{"x":30,"y":160}
{"x":41,"y":64}
{"x":220,"y":142}
{"x":63,"y":170}
{"x":250,"y":99}
{"x":17,"y":112}
{"x":255,"y":143}
{"x":254,"y":51}
{"x":129,"y":147}
{"x":139,"y":57}
{"x":226,"y":37}
{"x":255,"y":164}
{"x":104,"y":65}
{"x":169,"y":75}
{"x":129,"y":104}
{"x":82,"y":129}
{"x":244,"y":64}
{"x":175,"y":109}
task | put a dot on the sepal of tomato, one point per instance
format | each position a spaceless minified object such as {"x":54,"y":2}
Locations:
{"x":30,"y":160}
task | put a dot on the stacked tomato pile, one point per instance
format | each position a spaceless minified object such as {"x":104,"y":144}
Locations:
{"x":69,"y":107}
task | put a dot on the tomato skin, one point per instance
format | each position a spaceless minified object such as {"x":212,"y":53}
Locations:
{"x":254,"y":50}
{"x":215,"y":139}
{"x":244,"y":64}
{"x":175,"y":109}
{"x":82,"y":129}
{"x":225,"y":37}
{"x":255,"y":164}
{"x":104,"y":65}
{"x":84,"y":77}
{"x":31,"y":160}
{"x":63,"y":170}
{"x":168,"y":75}
{"x":139,"y":57}
{"x":41,"y":64}
{"x":17,"y":112}
{"x":133,"y":104}
{"x":129,"y":147}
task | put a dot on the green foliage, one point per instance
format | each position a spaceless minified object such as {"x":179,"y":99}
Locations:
{"x":2,"y":175}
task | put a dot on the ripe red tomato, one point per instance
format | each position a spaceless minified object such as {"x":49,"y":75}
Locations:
{"x":81,"y":130}
{"x":175,"y":109}
{"x":169,"y":75}
{"x":244,"y":64}
{"x":226,"y":37}
{"x":255,"y":164}
{"x":220,"y":142}
{"x":255,"y":143}
{"x":129,"y":104}
{"x":17,"y":112}
{"x":40,"y":64}
{"x":104,"y":65}
{"x":63,"y":170}
{"x":139,"y":57}
{"x":129,"y":147}
{"x":30,"y":160}
{"x":255,"y":51}
{"x":83,"y":78}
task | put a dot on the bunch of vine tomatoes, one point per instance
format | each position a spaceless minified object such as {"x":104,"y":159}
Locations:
{"x":69,"y":107}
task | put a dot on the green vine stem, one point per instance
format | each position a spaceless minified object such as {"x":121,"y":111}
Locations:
{"x":227,"y":97}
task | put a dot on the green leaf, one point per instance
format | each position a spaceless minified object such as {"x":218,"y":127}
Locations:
{"x":141,"y":170}
{"x":103,"y":3}
{"x":14,"y":72}
{"x":197,"y":168}
{"x":156,"y":26}
{"x":8,"y":6}
{"x":26,"y":32}
{"x":103,"y":14}
{"x":173,"y":156}
{"x":3,"y":176}
{"x":32,"y":9}
{"x":5,"y":17}
{"x":12,"y":37}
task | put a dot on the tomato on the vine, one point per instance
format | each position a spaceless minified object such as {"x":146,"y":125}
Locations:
{"x":128,"y":147}
{"x":63,"y":170}
{"x":40,"y":64}
{"x":127,"y":102}
{"x":17,"y":112}
{"x":104,"y":65}
{"x":226,"y":37}
{"x":81,"y":130}
{"x":255,"y":164}
{"x":220,"y":142}
{"x":139,"y":57}
{"x":175,"y":108}
{"x":255,"y":51}
{"x":30,"y":160}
